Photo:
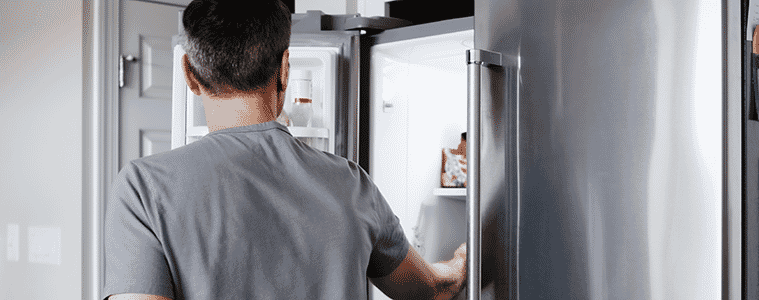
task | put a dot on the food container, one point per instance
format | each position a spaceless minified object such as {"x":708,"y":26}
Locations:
{"x":453,"y":170}
{"x":301,"y":112}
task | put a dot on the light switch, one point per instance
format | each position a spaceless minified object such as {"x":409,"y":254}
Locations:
{"x":387,"y":106}
{"x":45,"y":245}
{"x":13,"y":242}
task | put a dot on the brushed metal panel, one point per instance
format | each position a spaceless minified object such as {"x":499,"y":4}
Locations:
{"x":605,"y":148}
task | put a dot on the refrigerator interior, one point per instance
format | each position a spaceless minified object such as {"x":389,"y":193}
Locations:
{"x":418,"y":107}
{"x":321,"y":61}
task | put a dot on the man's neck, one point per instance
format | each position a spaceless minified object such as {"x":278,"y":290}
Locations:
{"x":241,"y":109}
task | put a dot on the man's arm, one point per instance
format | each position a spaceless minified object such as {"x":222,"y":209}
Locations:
{"x":135,"y":262}
{"x":414,"y":278}
{"x":136,"y":297}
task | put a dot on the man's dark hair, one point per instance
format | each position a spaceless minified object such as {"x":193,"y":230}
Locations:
{"x":234,"y":45}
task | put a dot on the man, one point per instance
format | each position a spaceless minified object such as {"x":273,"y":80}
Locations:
{"x":249,"y":212}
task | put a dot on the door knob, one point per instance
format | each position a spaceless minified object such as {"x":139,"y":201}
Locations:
{"x":123,"y":58}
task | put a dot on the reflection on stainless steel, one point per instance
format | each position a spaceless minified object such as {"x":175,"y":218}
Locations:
{"x":602,"y":146}
{"x":473,"y":180}
{"x":476,"y":60}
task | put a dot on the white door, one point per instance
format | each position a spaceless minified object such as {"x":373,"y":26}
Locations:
{"x":145,"y":98}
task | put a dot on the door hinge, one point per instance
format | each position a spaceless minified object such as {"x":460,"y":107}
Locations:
{"x":483,"y":57}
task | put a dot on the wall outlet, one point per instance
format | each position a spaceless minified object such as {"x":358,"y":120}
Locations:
{"x":45,"y":245}
{"x":12,"y":236}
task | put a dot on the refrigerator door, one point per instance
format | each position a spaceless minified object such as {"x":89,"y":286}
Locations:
{"x":414,"y":102}
{"x":328,"y":58}
{"x":602,"y":141}
{"x":316,"y":35}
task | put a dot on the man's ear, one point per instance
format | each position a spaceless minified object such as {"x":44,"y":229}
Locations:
{"x":285,"y":69}
{"x":192,"y":82}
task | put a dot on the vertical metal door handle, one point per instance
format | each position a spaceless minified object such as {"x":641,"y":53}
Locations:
{"x":121,"y":67}
{"x":475,"y":60}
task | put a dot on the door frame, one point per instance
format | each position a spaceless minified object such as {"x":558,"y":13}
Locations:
{"x":100,"y":121}
{"x":100,"y":128}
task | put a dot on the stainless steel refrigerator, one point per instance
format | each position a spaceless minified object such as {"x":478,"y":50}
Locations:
{"x":609,"y":147}
{"x":605,"y":140}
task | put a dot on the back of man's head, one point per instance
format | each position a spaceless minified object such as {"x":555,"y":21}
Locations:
{"x":233,"y":46}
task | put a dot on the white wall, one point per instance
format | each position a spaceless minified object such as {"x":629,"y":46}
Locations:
{"x":41,"y":146}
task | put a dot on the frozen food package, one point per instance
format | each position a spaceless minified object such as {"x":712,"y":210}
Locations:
{"x":453,"y":171}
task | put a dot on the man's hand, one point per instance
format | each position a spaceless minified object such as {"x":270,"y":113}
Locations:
{"x":417,"y":279}
{"x":451,"y":274}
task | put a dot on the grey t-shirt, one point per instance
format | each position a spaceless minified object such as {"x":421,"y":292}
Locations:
{"x":248,"y":213}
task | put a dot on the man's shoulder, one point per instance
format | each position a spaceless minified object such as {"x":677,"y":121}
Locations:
{"x":189,"y":152}
{"x":181,"y":160}
{"x":339,"y":163}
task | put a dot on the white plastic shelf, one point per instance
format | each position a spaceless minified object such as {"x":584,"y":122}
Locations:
{"x":459,"y":193}
{"x":296,"y":131}
{"x":197,"y":130}
{"x":313,"y":132}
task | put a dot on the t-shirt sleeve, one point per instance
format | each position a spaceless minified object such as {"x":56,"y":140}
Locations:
{"x":134,"y":259}
{"x":390,"y":243}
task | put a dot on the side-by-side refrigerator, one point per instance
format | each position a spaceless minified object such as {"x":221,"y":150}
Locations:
{"x":603,"y":139}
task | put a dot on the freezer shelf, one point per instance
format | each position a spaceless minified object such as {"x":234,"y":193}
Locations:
{"x":197,"y":131}
{"x":296,"y":131}
{"x":456,"y":193}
